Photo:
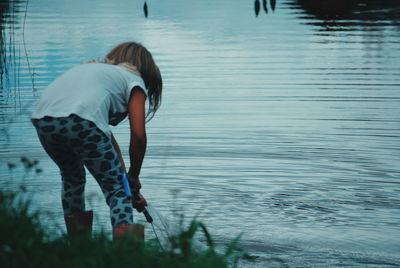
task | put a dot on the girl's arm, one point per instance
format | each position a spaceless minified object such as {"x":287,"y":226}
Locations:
{"x":118,"y":150}
{"x":138,"y":142}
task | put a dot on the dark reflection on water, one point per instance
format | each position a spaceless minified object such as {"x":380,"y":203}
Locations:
{"x":333,"y":15}
{"x":285,"y":126}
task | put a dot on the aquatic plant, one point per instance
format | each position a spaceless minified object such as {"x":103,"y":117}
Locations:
{"x":264,"y":5}
{"x":12,"y":34}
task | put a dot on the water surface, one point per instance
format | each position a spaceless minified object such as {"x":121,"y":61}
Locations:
{"x":285,"y":127}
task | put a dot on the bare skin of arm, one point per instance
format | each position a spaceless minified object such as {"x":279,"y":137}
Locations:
{"x":138,"y":144}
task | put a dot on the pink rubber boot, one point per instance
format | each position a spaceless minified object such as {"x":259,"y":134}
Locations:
{"x":79,"y":223}
{"x":135,"y":232}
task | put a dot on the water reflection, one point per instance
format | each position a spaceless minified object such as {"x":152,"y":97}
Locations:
{"x":9,"y":12}
{"x":10,"y":52}
{"x":344,"y":15}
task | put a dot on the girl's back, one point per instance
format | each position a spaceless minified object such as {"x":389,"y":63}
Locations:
{"x":93,"y":91}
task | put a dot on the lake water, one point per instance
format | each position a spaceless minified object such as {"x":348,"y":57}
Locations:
{"x":284,"y":127}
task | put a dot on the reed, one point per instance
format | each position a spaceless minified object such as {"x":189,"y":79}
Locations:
{"x":13,"y":52}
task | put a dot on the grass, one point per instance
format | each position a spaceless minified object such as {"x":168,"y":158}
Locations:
{"x":25,"y":243}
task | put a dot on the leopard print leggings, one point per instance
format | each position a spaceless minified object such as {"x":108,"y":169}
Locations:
{"x":72,"y":143}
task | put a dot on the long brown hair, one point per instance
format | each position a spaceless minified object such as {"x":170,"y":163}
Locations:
{"x":137,"y":55}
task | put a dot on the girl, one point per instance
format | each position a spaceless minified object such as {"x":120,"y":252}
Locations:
{"x":72,"y":120}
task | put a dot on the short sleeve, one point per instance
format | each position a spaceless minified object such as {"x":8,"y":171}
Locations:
{"x":136,"y":82}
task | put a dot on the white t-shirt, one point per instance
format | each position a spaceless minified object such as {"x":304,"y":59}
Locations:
{"x":97,"y":92}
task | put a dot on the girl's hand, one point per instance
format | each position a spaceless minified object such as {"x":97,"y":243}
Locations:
{"x":139,"y":203}
{"x":135,"y":184}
